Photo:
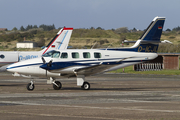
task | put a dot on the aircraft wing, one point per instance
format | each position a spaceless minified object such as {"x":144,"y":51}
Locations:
{"x":92,"y":70}
{"x":98,"y":68}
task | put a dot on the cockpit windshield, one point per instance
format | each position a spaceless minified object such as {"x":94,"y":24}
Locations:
{"x":52,"y":54}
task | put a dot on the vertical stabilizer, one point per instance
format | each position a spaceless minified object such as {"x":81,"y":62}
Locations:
{"x":150,"y":39}
{"x":60,"y":41}
{"x":154,"y":30}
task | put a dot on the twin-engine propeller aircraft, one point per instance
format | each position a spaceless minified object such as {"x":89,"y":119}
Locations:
{"x":80,"y":63}
{"x":60,"y":41}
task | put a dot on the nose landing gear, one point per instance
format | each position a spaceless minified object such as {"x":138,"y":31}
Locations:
{"x":30,"y":86}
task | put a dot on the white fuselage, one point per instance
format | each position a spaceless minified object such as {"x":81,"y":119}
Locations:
{"x":81,"y":59}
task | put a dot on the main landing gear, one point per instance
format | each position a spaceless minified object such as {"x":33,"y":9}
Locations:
{"x":85,"y":86}
{"x":81,"y":82}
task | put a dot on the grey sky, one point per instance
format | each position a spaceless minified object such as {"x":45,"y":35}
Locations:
{"x":107,"y":14}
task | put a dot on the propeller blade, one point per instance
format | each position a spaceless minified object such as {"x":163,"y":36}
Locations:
{"x":50,"y":63}
{"x":44,"y":62}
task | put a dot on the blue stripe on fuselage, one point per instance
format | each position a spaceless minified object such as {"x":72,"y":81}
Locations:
{"x":63,"y":65}
{"x":73,"y":63}
{"x":23,"y":65}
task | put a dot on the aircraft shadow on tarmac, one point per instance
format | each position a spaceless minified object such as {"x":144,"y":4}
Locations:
{"x":123,"y":89}
{"x":105,"y":88}
{"x":4,"y":85}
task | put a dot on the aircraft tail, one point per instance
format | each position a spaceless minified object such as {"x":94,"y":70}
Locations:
{"x":154,"y":30}
{"x":150,"y":39}
{"x":60,"y":41}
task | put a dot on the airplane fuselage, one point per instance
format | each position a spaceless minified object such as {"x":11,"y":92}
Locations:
{"x":66,"y":62}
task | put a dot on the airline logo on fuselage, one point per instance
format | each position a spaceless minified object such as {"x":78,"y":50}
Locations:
{"x":27,"y":57}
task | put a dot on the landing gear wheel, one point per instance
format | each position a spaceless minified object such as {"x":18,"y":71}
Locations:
{"x":57,"y":85}
{"x":85,"y":86}
{"x":30,"y":86}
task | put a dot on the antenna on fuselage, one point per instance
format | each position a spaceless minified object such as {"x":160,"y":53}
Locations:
{"x":109,"y":45}
{"x":94,"y":45}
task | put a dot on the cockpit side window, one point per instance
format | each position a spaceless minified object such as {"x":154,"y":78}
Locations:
{"x":56,"y":55}
{"x":53,"y":54}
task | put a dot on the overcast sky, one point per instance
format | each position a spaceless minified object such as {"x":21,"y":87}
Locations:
{"x":107,"y":14}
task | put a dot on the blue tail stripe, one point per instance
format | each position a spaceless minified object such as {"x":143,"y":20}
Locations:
{"x":62,"y":40}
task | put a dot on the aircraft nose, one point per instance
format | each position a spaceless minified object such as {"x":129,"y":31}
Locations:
{"x":3,"y":68}
{"x":10,"y":68}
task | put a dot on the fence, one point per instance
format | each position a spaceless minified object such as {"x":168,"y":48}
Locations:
{"x":149,"y":66}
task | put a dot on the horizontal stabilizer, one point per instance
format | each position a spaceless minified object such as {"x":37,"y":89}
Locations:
{"x":166,"y":41}
{"x":149,"y":41}
{"x":126,"y":41}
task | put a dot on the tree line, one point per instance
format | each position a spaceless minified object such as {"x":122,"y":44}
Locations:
{"x":29,"y":27}
{"x":118,"y":30}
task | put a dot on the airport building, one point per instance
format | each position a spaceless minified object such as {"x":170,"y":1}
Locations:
{"x":168,"y":61}
{"x":26,"y":44}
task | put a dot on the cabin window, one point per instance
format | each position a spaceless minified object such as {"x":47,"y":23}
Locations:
{"x":53,"y":54}
{"x":75,"y":55}
{"x":97,"y":55}
{"x":64,"y":55}
{"x":86,"y":55}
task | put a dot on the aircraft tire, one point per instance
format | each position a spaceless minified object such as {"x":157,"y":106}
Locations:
{"x":30,"y":87}
{"x":86,"y":86}
{"x":57,"y":87}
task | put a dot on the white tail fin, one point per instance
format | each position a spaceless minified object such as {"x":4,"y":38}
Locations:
{"x":60,"y":41}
